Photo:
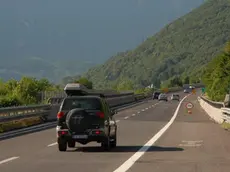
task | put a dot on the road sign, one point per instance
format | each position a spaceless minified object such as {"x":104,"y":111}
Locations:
{"x":189,"y":105}
{"x":203,"y":90}
{"x":193,"y":91}
{"x":165,"y":90}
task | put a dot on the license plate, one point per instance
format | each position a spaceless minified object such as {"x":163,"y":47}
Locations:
{"x":80,"y":137}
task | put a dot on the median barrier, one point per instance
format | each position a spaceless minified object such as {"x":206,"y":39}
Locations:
{"x":48,"y":112}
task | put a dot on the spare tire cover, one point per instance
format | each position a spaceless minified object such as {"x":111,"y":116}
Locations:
{"x":78,"y":120}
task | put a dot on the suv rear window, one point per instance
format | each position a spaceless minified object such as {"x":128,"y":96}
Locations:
{"x":85,"y":103}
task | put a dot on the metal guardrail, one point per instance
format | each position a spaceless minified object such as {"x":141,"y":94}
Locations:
{"x":220,"y":105}
{"x":213,"y":103}
{"x":17,"y":113}
{"x":226,"y":114}
{"x":43,"y":111}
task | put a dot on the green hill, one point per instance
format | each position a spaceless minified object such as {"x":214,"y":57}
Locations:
{"x":182,"y":48}
{"x":75,"y":36}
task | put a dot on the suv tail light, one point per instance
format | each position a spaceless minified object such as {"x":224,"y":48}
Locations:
{"x":100,"y":114}
{"x":60,"y":115}
{"x":61,"y":133}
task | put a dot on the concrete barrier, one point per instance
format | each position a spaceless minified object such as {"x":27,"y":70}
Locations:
{"x":214,"y":113}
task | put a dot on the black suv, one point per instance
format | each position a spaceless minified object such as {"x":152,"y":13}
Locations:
{"x":85,"y":118}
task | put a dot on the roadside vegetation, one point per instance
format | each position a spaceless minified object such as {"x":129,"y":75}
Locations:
{"x":26,"y":91}
{"x":217,"y":75}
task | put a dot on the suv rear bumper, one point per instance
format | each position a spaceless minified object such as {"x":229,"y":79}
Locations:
{"x":97,"y":135}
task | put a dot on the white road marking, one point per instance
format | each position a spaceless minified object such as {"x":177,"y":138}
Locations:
{"x":130,"y":162}
{"x":191,"y":143}
{"x":143,"y":110}
{"x":52,"y":144}
{"x":138,"y":112}
{"x":117,"y":120}
{"x":9,"y":159}
{"x":133,"y":114}
{"x":126,"y":117}
{"x":146,"y":108}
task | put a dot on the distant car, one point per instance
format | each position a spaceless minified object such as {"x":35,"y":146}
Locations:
{"x":163,"y":96}
{"x":156,"y":95}
{"x":187,"y":90}
{"x":175,"y":97}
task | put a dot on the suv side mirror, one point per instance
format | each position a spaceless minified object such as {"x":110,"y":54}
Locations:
{"x":113,"y":112}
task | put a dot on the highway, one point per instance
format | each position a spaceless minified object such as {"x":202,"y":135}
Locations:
{"x":182,"y":142}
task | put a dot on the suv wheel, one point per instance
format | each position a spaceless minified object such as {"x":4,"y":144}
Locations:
{"x":62,"y":146}
{"x":71,"y":144}
{"x":106,"y":144}
{"x":113,"y":141}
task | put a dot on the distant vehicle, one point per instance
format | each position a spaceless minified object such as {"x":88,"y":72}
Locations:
{"x":85,"y":117}
{"x":156,"y":95}
{"x":163,"y":96}
{"x":192,"y":87}
{"x":175,"y":97}
{"x":187,"y":90}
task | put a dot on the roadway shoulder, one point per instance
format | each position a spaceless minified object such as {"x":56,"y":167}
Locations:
{"x":193,"y":143}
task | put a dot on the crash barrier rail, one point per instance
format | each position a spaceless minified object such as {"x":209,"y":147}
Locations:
{"x":212,"y":103}
{"x":48,"y":112}
{"x":224,"y":112}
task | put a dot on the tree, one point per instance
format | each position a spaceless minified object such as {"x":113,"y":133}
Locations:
{"x":27,"y":90}
{"x":43,"y":84}
{"x":125,"y":85}
{"x":85,"y":82}
{"x":186,"y":80}
{"x":217,"y":77}
{"x":227,"y":48}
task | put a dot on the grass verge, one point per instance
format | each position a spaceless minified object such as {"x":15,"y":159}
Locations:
{"x":225,"y":125}
{"x":12,"y":125}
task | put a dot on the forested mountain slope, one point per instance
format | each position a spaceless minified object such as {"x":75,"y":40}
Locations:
{"x":58,"y":38}
{"x":182,"y":48}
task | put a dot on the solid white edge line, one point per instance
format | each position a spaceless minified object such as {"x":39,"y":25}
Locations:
{"x":130,"y":162}
{"x":9,"y":159}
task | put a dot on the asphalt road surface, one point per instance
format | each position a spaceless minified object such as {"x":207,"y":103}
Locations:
{"x":154,"y":136}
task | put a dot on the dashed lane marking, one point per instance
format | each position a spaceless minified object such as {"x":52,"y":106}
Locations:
{"x":133,"y":114}
{"x":126,"y":117}
{"x":9,"y":159}
{"x":130,"y":162}
{"x":52,"y":144}
{"x":146,"y":108}
{"x":117,"y":120}
{"x":143,"y":110}
{"x":138,"y":112}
